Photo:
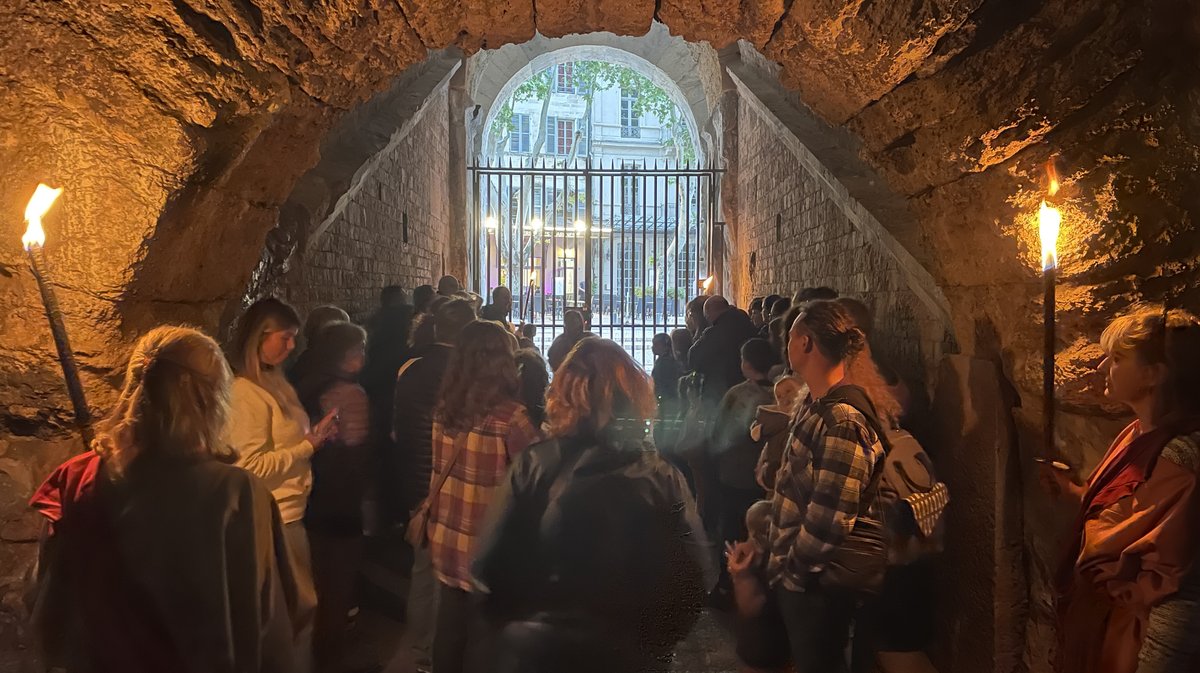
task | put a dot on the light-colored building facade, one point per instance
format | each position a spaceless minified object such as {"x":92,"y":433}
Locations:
{"x":639,"y":223}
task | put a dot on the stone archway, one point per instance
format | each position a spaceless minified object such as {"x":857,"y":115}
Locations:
{"x":690,"y":76}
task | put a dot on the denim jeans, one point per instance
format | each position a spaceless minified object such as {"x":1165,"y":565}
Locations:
{"x":421,"y":611}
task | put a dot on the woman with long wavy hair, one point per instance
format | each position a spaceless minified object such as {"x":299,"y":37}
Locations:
{"x":594,"y":559}
{"x":160,"y":555}
{"x":480,"y":426}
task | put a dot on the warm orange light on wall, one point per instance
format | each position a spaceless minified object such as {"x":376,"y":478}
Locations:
{"x":43,"y":197}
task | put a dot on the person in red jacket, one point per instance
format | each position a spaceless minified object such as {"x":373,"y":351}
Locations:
{"x":159,"y":554}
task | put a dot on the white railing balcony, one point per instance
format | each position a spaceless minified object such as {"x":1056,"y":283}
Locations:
{"x":607,"y":132}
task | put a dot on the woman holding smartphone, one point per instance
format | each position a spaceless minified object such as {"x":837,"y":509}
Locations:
{"x":273,"y":438}
{"x":1125,"y":586}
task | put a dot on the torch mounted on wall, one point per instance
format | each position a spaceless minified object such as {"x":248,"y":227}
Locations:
{"x":33,"y":240}
{"x":1049,"y":221}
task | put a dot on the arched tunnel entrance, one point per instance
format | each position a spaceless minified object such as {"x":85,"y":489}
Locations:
{"x":214,"y":153}
{"x":589,"y":193}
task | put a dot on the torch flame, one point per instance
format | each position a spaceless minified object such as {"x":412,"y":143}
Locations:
{"x":1049,"y":220}
{"x":532,"y":277}
{"x":708,"y":284}
{"x":43,"y":197}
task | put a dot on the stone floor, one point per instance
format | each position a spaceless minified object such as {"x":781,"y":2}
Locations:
{"x":378,"y":636}
{"x":379,"y":640}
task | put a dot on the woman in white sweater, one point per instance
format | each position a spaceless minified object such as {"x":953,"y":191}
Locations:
{"x":272,"y":436}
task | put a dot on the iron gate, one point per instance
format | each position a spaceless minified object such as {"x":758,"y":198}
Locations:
{"x":627,"y":243}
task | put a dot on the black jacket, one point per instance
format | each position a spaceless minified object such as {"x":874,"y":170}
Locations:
{"x":494,"y":312}
{"x":593,"y":557}
{"x":387,"y":348}
{"x":416,"y":392}
{"x":717,"y":356}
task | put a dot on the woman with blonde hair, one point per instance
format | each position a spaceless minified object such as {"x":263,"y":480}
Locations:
{"x":271,"y":435}
{"x":480,"y":426}
{"x":594,"y":559}
{"x":1124,"y":586}
{"x":159,"y":555}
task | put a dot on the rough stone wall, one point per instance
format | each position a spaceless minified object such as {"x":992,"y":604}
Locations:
{"x":793,"y":230}
{"x":366,"y":247}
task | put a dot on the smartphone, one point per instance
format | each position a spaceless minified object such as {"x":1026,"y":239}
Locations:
{"x":1053,"y":464}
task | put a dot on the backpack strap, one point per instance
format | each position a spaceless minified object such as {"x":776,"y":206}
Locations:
{"x":856,"y":398}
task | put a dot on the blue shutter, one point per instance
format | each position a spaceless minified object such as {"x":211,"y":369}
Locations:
{"x":551,"y":135}
{"x":519,"y":141}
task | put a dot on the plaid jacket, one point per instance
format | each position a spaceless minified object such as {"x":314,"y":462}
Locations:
{"x":457,"y":512}
{"x":826,"y":467}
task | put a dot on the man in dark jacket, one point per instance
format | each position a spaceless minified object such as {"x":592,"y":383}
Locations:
{"x":500,"y":307}
{"x":716,"y":354}
{"x":417,"y":386}
{"x":573,"y":332}
{"x":387,"y":349}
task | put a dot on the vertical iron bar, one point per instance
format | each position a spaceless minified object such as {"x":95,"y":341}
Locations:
{"x":510,"y":248}
{"x":554,"y":268}
{"x":641,"y":334}
{"x":625,"y":255}
{"x":688,"y":284}
{"x":702,"y":244}
{"x":717,"y":266}
{"x":519,"y":227}
{"x":711,"y":228}
{"x":658,"y":258}
{"x":477,"y":266}
{"x":598,"y":232}
{"x":713,"y":217}
{"x":541,"y":239}
{"x":587,"y":234}
{"x":573,"y":288}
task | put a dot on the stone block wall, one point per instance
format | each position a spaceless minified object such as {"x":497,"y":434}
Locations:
{"x":394,"y":230}
{"x":795,"y":228}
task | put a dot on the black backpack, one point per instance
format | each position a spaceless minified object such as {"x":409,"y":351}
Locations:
{"x":912,"y":500}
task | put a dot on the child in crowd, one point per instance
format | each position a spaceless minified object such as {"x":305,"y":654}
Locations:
{"x":525,"y":335}
{"x":734,"y":451}
{"x":761,"y":637}
{"x":770,"y":429}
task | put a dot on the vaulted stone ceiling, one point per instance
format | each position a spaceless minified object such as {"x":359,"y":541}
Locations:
{"x":179,"y":128}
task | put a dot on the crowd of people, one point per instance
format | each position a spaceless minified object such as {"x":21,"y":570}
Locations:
{"x":578,"y":514}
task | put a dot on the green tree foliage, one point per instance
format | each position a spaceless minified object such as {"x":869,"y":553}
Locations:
{"x":588,"y":77}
